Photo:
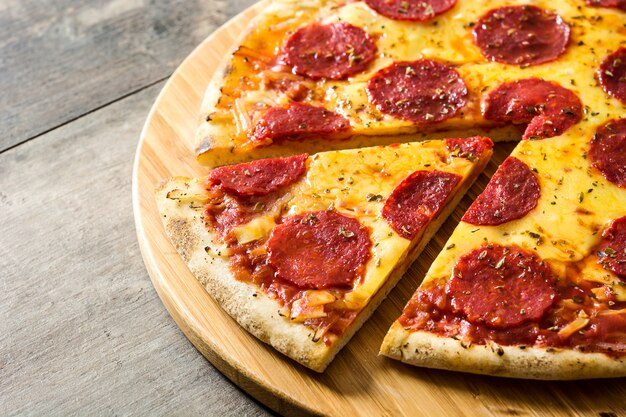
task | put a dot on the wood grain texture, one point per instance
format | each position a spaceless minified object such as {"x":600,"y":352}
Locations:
{"x":82,"y":331}
{"x":62,"y":59}
{"x":358,"y":382}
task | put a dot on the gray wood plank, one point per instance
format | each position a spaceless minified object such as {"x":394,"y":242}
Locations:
{"x":82,"y":331}
{"x":60,"y":59}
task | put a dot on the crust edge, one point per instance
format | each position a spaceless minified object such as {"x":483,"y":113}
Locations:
{"x":432,"y":351}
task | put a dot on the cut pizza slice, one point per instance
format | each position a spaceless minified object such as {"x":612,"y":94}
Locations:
{"x":300,"y":250}
{"x":311,"y":76}
{"x":532,"y":283}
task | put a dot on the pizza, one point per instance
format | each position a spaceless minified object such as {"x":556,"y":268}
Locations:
{"x":300,"y":250}
{"x":316,"y":75}
{"x":532,"y":281}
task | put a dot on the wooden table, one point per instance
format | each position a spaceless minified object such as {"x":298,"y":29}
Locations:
{"x":82,"y":331}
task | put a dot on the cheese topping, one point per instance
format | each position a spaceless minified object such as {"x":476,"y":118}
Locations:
{"x":357,"y":183}
{"x":575,"y":205}
{"x":595,"y":33}
{"x":255,"y":229}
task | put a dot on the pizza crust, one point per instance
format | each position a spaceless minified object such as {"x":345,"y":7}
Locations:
{"x":432,"y":351}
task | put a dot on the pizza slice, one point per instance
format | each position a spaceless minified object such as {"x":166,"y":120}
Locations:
{"x":300,"y":250}
{"x":310,"y":76}
{"x":532,"y":283}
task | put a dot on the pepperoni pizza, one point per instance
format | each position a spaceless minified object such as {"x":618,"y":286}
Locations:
{"x":300,"y":250}
{"x":316,"y":75}
{"x":532,"y":282}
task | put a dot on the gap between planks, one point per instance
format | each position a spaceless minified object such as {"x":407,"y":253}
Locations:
{"x":87,"y":113}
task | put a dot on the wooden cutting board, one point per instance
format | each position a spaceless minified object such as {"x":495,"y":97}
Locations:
{"x":358,"y":382}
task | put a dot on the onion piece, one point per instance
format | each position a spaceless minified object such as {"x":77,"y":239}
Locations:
{"x":220,"y":115}
{"x":612,"y":312}
{"x":245,"y":52}
{"x":300,"y":311}
{"x":579,"y":323}
{"x":319,"y":297}
{"x":187,"y":197}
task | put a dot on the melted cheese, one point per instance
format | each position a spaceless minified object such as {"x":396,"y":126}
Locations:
{"x":595,"y":33}
{"x":448,"y":38}
{"x":593,"y":272}
{"x":255,"y":229}
{"x":343,"y":180}
{"x":576,"y":203}
{"x":346,"y":181}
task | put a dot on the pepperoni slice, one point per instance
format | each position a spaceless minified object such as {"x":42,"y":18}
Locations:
{"x":616,"y":4}
{"x":512,"y":192}
{"x":334,"y":51}
{"x":501,"y":286}
{"x":607,"y":151}
{"x":612,"y":251}
{"x":469,"y":148}
{"x":259,"y":177}
{"x":548,"y":108}
{"x":421,"y":91}
{"x":319,"y":250}
{"x":413,"y":10}
{"x":298,"y":121}
{"x":417,"y":200}
{"x":223,"y":212}
{"x":612,"y":74}
{"x":521,"y":35}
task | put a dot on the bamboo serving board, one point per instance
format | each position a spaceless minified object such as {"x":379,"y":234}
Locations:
{"x":358,"y":382}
